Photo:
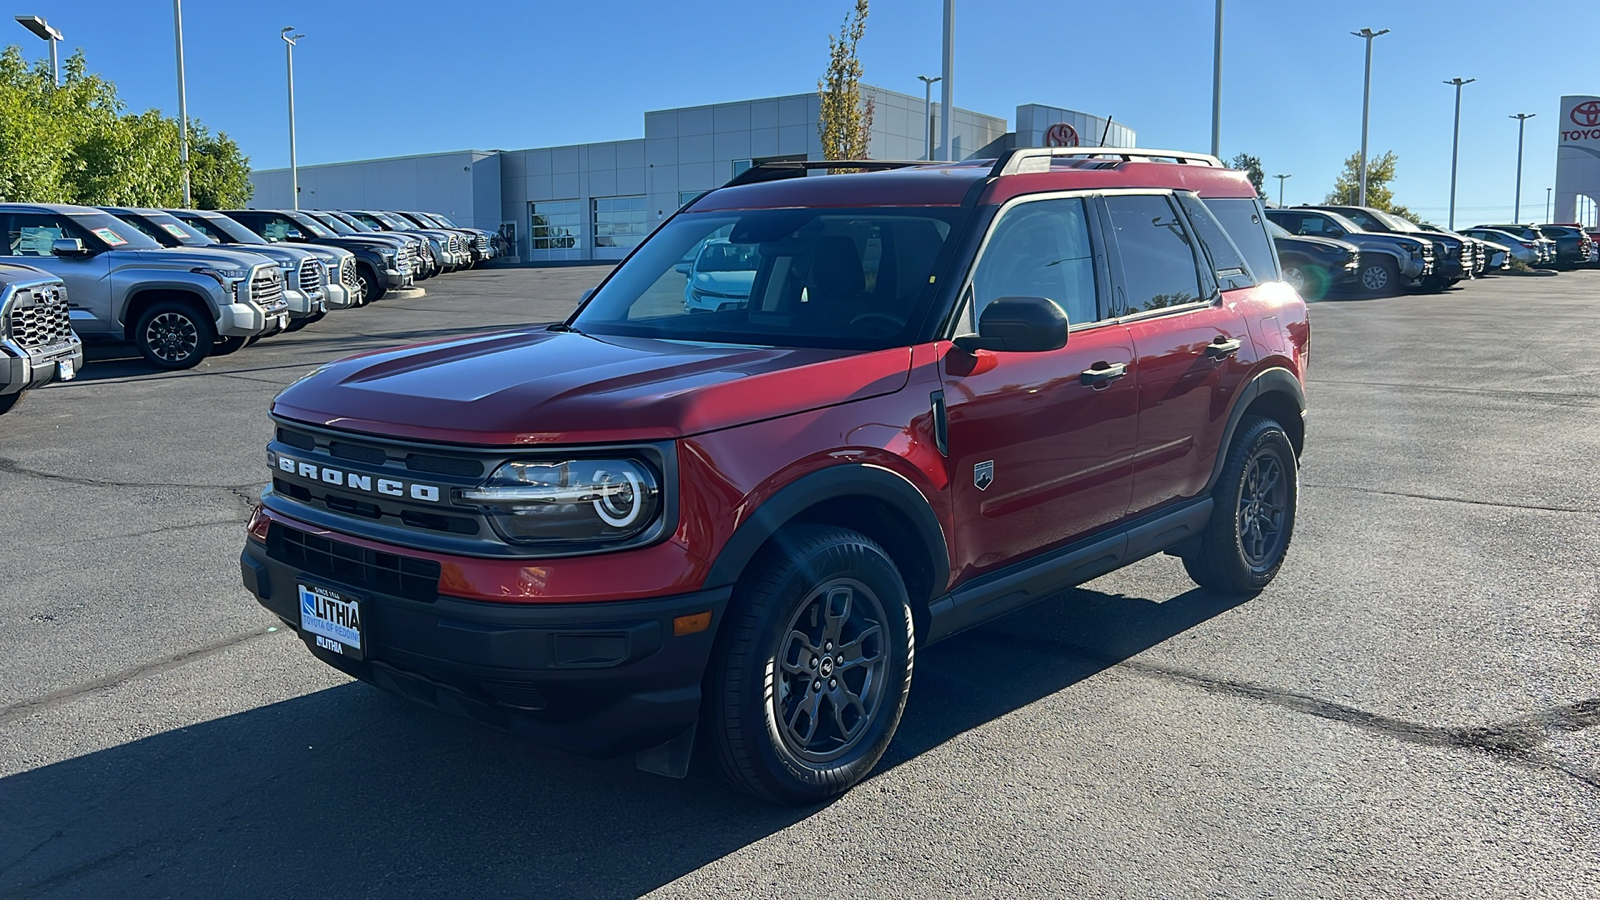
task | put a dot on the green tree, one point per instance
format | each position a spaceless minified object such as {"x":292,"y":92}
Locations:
{"x":846,"y":121}
{"x":1251,"y":166}
{"x":1380,"y":171}
{"x":77,"y":144}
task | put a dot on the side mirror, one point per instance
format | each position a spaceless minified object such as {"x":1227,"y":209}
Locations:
{"x":585,"y":295}
{"x":683,"y":268}
{"x":1020,"y":325}
{"x":69,"y":247}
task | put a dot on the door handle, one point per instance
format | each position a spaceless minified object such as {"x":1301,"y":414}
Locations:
{"x":1102,"y":373}
{"x":1222,"y":348}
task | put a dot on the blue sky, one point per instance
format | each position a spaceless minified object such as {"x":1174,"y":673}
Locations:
{"x":406,"y":76}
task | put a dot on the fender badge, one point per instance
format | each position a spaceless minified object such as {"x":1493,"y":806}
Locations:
{"x":983,"y":474}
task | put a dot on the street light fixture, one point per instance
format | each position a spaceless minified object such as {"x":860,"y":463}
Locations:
{"x":1366,"y":106}
{"x":42,"y":28}
{"x":1547,"y":205}
{"x":927,"y":114}
{"x":1455,"y":146}
{"x":183,"y":103}
{"x":947,"y":94}
{"x":1216,"y":88}
{"x":1280,"y":186}
{"x":1522,"y":121}
{"x":294,"y":170}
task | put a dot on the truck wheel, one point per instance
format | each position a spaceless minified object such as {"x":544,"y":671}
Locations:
{"x":1379,"y":277}
{"x":368,"y":285}
{"x":1244,"y":544}
{"x":8,"y":402}
{"x":171,"y":335}
{"x":813,"y":667}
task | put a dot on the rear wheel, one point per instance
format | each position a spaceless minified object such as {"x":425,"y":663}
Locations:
{"x":172,"y":335}
{"x":813,"y":667}
{"x":1252,"y":521}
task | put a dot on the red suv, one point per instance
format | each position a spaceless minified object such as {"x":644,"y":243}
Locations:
{"x":949,"y":390}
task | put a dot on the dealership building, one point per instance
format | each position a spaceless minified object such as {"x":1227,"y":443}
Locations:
{"x":596,"y":201}
{"x":1578,"y":160}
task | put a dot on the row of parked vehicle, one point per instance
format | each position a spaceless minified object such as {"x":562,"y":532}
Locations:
{"x":184,"y":284}
{"x":1369,"y":251}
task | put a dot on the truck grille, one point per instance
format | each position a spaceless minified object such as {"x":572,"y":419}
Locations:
{"x":347,"y":274}
{"x":266,"y":291}
{"x":455,"y":244}
{"x":310,"y":277}
{"x":387,"y":573}
{"x":482,"y":243}
{"x":39,"y":317}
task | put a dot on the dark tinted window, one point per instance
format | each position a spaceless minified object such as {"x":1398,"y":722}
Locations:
{"x":1366,"y":220}
{"x":1158,"y":262}
{"x":1227,"y":264}
{"x":1242,"y":218}
{"x":1041,"y":249}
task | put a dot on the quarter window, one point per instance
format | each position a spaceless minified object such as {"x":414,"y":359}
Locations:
{"x":556,"y":224}
{"x":1158,"y":259}
{"x":1241,"y":217}
{"x":619,"y":222}
{"x":1039,"y":249}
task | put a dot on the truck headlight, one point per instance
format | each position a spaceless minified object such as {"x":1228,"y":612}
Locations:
{"x":579,"y":500}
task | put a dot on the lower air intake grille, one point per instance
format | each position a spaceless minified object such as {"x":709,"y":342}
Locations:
{"x":384,"y":573}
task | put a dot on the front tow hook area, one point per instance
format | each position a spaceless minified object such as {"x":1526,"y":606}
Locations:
{"x":670,"y":758}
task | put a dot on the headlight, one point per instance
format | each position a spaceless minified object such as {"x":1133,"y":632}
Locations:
{"x":581,"y":500}
{"x":223,"y":274}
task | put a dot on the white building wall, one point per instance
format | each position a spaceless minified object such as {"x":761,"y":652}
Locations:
{"x":1034,"y":121}
{"x":463,"y":185}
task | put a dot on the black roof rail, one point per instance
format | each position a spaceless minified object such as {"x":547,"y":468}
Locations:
{"x":1038,"y":159}
{"x":795,"y":168}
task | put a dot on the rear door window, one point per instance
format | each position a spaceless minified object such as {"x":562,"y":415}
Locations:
{"x":1159,"y":268}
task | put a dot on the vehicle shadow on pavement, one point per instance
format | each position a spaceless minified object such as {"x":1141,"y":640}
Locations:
{"x":350,"y":792}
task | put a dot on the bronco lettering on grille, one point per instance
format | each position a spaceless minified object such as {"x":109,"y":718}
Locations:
{"x":388,"y":487}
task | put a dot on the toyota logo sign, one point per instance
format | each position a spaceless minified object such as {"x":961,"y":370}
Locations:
{"x":1587,"y":114}
{"x":1061,"y":135}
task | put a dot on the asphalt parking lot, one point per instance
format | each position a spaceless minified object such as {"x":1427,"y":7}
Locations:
{"x":1412,"y":708}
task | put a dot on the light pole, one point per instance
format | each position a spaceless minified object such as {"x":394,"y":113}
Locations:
{"x":1366,"y":106}
{"x":1216,"y":89}
{"x":183,"y":103}
{"x":1280,"y":186}
{"x":42,"y":28}
{"x":1547,"y":205}
{"x":294,"y":170}
{"x":927,"y":114}
{"x":1522,"y":121}
{"x":947,"y":93}
{"x":1455,"y":146}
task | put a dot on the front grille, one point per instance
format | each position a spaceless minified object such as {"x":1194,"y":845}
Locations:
{"x":266,"y":291}
{"x":483,"y":243}
{"x":310,"y":277}
{"x":347,"y":274}
{"x":384,"y":573}
{"x":454,"y":244}
{"x":39,"y":317}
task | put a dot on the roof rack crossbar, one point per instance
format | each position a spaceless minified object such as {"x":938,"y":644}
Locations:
{"x":794,"y":168}
{"x":1037,"y":159}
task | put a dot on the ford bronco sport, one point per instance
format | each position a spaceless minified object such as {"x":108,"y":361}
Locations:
{"x":953,"y":390}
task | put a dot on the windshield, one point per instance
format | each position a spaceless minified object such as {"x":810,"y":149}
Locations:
{"x":1276,"y":230}
{"x":1397,"y":223}
{"x":334,"y":223}
{"x":113,"y":232}
{"x":181,"y":231}
{"x":394,"y":221}
{"x":307,"y":224}
{"x":442,"y":220}
{"x":367,"y":219}
{"x":223,"y":229}
{"x":355,"y":225}
{"x":778,"y":278}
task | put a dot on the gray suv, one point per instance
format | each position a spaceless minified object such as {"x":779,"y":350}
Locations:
{"x":176,"y":306}
{"x":1388,"y":261}
{"x":37,"y":344}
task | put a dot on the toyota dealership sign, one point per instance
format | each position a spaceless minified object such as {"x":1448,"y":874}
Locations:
{"x":1580,"y":120}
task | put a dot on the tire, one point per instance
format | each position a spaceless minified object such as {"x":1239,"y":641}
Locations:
{"x":8,"y":402}
{"x":1379,"y":277}
{"x":171,"y":335}
{"x":782,"y":722}
{"x":368,"y":283}
{"x":1309,"y":281}
{"x":1244,"y":545}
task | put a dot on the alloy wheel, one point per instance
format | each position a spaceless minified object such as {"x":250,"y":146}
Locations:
{"x":1375,"y":278}
{"x":1296,"y":278}
{"x":1263,"y":509}
{"x":830,"y":671}
{"x":172,"y":337}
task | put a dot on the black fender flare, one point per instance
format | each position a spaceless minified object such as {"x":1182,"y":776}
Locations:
{"x":846,"y":480}
{"x":1268,"y":381}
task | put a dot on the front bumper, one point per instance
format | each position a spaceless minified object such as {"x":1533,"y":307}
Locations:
{"x":303,"y":305}
{"x":22,"y":369}
{"x":595,"y":678}
{"x":337,"y":296}
{"x":394,"y":279}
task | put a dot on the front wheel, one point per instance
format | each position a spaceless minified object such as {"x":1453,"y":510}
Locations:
{"x":1379,"y":277}
{"x":171,"y":335}
{"x":813,"y":667}
{"x":8,"y":402}
{"x":368,"y":285}
{"x":1244,"y":545}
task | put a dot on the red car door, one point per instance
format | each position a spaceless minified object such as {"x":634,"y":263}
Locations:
{"x":1041,"y":443}
{"x":1186,"y":335}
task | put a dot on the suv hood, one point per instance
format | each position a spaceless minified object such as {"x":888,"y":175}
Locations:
{"x":1307,"y":243}
{"x":540,"y":387}
{"x":1367,"y":239}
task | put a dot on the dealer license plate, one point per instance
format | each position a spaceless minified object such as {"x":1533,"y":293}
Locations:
{"x":66,"y":370}
{"x":331,"y":620}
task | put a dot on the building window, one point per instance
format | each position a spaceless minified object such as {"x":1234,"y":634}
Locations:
{"x":687,"y":197}
{"x":740,"y":166}
{"x":556,"y":224}
{"x":619,"y":222}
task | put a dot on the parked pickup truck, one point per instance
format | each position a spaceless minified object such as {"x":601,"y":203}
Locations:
{"x":339,"y":265}
{"x":1455,"y":257}
{"x":37,"y":343}
{"x":382,"y":264}
{"x":1389,"y":262}
{"x":956,"y":390}
{"x":174,"y":305}
{"x":483,"y":240}
{"x":302,"y":272}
